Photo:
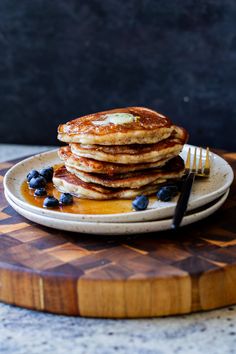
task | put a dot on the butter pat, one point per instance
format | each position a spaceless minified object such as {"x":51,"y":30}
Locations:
{"x":116,"y":118}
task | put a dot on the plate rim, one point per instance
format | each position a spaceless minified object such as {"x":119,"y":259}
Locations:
{"x":165,"y":223}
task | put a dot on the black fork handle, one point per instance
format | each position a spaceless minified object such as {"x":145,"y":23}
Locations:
{"x":182,"y":202}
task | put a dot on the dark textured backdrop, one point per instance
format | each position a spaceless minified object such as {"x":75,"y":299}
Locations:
{"x":61,"y":59}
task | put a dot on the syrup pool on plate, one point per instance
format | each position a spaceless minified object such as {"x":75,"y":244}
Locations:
{"x":79,"y":206}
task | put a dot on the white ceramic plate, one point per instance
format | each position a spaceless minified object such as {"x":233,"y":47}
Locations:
{"x":204,"y":191}
{"x":101,"y":228}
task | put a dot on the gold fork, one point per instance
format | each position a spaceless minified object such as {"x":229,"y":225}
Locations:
{"x":200,"y":170}
{"x":191,"y":170}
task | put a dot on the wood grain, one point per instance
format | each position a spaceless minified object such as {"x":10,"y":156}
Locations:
{"x":140,"y":276}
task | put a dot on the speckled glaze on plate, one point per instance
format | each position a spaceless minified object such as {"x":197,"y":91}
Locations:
{"x":203,"y":192}
{"x":100,"y":228}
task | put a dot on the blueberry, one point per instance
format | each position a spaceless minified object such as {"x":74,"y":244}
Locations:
{"x":140,"y":202}
{"x":50,"y":202}
{"x":166,"y":193}
{"x":40,"y":192}
{"x":47,"y":173}
{"x":66,"y":199}
{"x":38,"y":182}
{"x":32,"y":174}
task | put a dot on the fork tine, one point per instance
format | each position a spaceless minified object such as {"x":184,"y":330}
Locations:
{"x":194,"y":167}
{"x":187,"y":163}
{"x":200,"y":162}
{"x":207,"y":166}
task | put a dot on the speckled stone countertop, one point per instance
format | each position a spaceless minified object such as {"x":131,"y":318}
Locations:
{"x":23,"y":331}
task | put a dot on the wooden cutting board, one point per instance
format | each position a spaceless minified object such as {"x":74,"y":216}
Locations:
{"x":140,"y":276}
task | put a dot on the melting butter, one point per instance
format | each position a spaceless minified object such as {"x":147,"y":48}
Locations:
{"x":117,"y":118}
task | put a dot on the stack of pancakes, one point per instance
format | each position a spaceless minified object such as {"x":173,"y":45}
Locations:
{"x":119,"y":154}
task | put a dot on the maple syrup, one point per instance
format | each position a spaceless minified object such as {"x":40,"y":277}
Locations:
{"x":79,"y":206}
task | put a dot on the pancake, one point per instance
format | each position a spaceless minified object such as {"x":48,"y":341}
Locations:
{"x":123,"y":126}
{"x":94,"y":166}
{"x":135,"y":153}
{"x":172,"y":170}
{"x":67,"y":182}
{"x":119,"y":154}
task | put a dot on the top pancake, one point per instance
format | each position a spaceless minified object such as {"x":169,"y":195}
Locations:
{"x":123,"y":126}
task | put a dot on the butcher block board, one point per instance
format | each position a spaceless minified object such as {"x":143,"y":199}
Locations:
{"x":119,"y":277}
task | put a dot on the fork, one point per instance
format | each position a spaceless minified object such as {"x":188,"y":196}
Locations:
{"x":191,"y":170}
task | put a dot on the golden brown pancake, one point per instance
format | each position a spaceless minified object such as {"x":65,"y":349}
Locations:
{"x":67,"y":182}
{"x":95,"y":186}
{"x":172,"y":170}
{"x":102,"y":167}
{"x":135,"y":153}
{"x":123,"y":126}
